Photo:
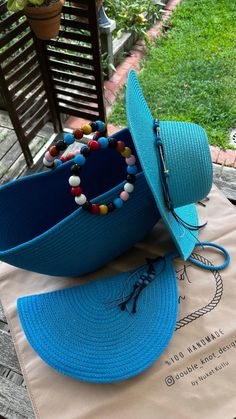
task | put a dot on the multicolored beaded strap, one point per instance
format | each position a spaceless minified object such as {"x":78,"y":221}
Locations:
{"x":98,"y":142}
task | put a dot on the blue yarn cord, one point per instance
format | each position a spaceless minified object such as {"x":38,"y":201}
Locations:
{"x":202,"y":265}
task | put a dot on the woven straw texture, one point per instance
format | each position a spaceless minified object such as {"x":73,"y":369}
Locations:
{"x":187,"y":158}
{"x":103,"y":343}
{"x":44,"y":231}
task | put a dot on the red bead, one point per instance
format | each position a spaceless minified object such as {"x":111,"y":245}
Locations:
{"x":76,"y":191}
{"x":63,"y":159}
{"x":53,"y":151}
{"x":95,"y":209}
{"x":78,"y":133}
{"x":94,"y":145}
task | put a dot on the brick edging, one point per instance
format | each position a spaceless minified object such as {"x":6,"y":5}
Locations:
{"x":118,"y":80}
{"x":223,"y":157}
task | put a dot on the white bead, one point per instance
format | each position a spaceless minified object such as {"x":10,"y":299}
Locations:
{"x":128,"y":187}
{"x":74,"y":180}
{"x":47,"y":163}
{"x":81,"y":199}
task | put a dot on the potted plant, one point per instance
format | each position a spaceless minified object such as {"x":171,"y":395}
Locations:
{"x":44,"y":16}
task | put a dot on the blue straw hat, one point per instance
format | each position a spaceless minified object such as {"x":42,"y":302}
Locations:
{"x":107,"y":330}
{"x":176,"y":161}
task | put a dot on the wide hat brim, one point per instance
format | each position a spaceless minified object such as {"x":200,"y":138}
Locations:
{"x":83,"y":333}
{"x":141,"y":123}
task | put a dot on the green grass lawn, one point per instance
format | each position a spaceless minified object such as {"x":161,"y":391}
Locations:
{"x":189,"y":74}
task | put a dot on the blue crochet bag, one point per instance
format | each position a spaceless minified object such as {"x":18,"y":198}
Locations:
{"x":43,"y":229}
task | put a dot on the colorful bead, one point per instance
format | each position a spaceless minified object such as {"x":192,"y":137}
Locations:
{"x":94,"y":145}
{"x":75,"y":169}
{"x":57,"y":162}
{"x":95,"y":209}
{"x":111,"y":207}
{"x":47,"y":163}
{"x":128,"y":187}
{"x":124,"y":196}
{"x":70,"y":156}
{"x":120,"y":146}
{"x":87,"y":206}
{"x":80,"y":200}
{"x":118,"y":202}
{"x":53,"y":151}
{"x":86,"y":128}
{"x":103,"y":141}
{"x":131,"y":178}
{"x":74,"y":180}
{"x":126,"y":152}
{"x":69,"y":139}
{"x":93,"y":125}
{"x":100,"y":126}
{"x":130,"y":160}
{"x":78,"y":133}
{"x":79,"y":156}
{"x":61,"y":145}
{"x":103,"y":209}
{"x":49,"y":157}
{"x":132,"y":170}
{"x":85,"y":151}
{"x":80,"y":160}
{"x":76,"y":191}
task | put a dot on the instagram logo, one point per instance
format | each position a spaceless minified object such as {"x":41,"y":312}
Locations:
{"x":169,"y":380}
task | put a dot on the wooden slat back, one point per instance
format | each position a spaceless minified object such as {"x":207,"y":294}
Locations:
{"x":21,"y":77}
{"x":40,"y":79}
{"x":75,"y":61}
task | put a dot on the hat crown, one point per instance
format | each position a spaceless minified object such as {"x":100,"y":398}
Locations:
{"x":177,"y":166}
{"x":187,"y":160}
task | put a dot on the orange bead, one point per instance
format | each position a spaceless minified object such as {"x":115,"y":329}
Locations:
{"x":120,"y":146}
{"x":126,"y":153}
{"x":87,"y":129}
{"x":78,"y":133}
{"x":70,"y":156}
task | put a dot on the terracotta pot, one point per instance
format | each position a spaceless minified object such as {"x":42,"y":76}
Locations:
{"x":45,"y":20}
